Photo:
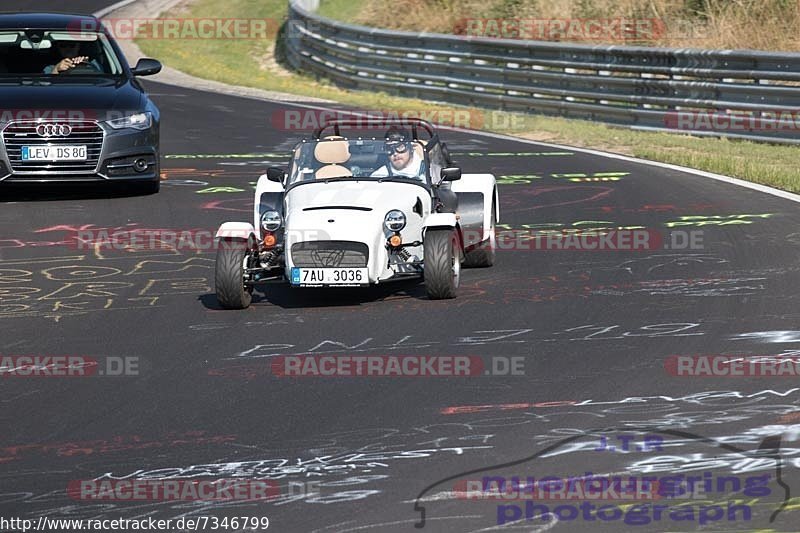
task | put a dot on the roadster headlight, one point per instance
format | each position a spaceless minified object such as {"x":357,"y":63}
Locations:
{"x":271,"y":221}
{"x":139,"y":121}
{"x":395,"y":220}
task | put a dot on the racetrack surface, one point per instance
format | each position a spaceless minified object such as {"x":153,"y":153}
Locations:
{"x":594,"y":330}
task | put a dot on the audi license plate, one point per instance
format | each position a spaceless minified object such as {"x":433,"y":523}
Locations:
{"x":318,"y":277}
{"x":54,"y":153}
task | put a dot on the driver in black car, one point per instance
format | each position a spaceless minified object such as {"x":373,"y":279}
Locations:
{"x":69,"y":50}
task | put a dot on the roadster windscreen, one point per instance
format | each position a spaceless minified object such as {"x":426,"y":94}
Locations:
{"x":357,"y":158}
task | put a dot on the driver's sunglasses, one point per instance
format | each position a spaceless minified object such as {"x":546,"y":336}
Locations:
{"x":396,"y":148}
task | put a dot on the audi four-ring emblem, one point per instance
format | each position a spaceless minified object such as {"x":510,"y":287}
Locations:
{"x":53,"y":130}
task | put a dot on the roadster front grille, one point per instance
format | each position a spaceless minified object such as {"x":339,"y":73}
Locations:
{"x":329,"y":254}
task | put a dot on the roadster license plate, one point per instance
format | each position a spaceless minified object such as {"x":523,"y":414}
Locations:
{"x":54,"y":153}
{"x":318,"y":277}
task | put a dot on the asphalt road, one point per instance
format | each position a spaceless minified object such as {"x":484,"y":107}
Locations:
{"x":593,"y":329}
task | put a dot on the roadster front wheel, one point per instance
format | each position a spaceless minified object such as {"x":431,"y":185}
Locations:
{"x":442,"y":263}
{"x":229,"y":275}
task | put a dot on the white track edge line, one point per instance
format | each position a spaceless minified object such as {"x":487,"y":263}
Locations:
{"x":113,"y":7}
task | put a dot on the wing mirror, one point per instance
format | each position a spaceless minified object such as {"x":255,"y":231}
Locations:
{"x":146,"y":67}
{"x":451,"y":174}
{"x":446,"y":154}
{"x":276,"y":174}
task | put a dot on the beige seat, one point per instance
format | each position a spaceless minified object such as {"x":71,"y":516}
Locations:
{"x":419,"y":149}
{"x":333,"y":154}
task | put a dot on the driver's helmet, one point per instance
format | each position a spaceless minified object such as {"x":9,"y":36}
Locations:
{"x":396,"y":140}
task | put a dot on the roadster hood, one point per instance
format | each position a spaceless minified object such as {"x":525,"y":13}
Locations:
{"x":353,"y":211}
{"x":366,"y":196}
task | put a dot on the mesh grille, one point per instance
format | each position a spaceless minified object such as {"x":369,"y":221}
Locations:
{"x":330,"y":254}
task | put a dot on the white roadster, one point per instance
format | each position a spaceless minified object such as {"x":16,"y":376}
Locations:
{"x":357,"y":211}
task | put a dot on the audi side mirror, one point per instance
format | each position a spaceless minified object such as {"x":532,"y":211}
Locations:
{"x":146,"y":67}
{"x":275,"y":174}
{"x":451,"y":174}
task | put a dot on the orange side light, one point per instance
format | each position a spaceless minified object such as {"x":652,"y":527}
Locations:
{"x":395,"y":240}
{"x":270,"y":240}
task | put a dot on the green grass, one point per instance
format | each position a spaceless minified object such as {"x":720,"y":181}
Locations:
{"x":340,"y":9}
{"x":251,"y":63}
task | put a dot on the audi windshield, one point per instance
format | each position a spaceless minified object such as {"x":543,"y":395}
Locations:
{"x":57,"y":53}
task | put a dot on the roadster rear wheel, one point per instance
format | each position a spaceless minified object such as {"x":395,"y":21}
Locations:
{"x":232,"y":259}
{"x":442,"y":263}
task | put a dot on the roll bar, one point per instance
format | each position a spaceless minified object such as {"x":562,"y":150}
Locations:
{"x":372,"y":122}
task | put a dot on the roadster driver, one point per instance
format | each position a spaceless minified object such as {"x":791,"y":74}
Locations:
{"x":403,"y":159}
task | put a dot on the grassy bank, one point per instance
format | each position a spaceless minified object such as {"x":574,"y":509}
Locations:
{"x":251,"y":63}
{"x":752,"y":24}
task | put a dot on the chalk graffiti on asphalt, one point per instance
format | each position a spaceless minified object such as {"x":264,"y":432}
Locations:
{"x":77,"y":286}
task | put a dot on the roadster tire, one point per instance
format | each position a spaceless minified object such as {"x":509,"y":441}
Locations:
{"x":229,"y":275}
{"x":442,"y":263}
{"x":482,"y":255}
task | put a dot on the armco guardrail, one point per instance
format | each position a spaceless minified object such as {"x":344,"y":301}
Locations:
{"x":704,"y":92}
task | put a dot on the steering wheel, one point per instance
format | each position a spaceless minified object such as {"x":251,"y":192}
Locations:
{"x":83,"y":68}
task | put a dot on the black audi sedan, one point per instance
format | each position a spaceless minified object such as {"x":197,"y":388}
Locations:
{"x":71,"y":108}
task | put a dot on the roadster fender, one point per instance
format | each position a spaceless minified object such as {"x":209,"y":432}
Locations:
{"x":477,"y":194}
{"x":444,"y":221}
{"x":241,"y":231}
{"x":440,"y":220}
{"x":269,"y":197}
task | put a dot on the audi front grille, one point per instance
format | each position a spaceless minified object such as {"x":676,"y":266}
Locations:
{"x":329,"y":254}
{"x":24,"y":133}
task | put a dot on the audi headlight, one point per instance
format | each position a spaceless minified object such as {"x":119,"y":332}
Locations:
{"x":271,"y":221}
{"x":139,"y":121}
{"x":395,"y":220}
